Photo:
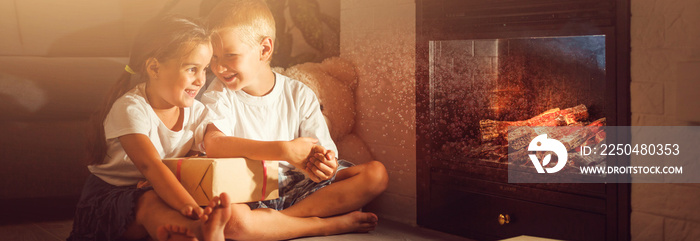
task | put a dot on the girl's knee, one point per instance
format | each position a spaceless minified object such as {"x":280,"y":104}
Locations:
{"x":145,"y":203}
{"x":146,"y":208}
{"x":149,"y":196}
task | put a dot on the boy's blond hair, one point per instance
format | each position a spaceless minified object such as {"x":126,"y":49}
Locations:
{"x":251,"y":19}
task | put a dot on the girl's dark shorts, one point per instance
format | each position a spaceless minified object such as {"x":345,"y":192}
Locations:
{"x":105,"y":211}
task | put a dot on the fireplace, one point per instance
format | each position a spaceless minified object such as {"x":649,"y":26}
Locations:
{"x":484,"y":86}
{"x":485,"y":65}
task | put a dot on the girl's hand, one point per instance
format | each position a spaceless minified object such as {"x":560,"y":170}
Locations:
{"x":192,"y":211}
{"x":143,"y":183}
{"x":194,"y":154}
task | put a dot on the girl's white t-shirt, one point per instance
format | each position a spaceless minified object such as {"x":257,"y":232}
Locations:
{"x":132,"y":114}
{"x":289,"y":111}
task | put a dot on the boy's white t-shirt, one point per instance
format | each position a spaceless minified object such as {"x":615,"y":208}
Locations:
{"x":289,"y":111}
{"x":132,"y":114}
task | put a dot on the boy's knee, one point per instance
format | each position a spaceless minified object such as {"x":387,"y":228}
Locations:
{"x":239,"y":225}
{"x":377,"y":175}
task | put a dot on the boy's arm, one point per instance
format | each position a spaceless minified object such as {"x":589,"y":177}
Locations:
{"x":313,"y":124}
{"x":141,"y":151}
{"x":218,"y":145}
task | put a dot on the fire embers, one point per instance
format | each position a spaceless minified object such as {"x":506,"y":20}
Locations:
{"x":494,"y":130}
{"x":504,"y":141}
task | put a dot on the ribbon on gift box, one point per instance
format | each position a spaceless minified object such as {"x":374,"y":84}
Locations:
{"x":264,"y":186}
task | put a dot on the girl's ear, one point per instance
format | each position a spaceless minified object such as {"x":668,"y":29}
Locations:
{"x":152,"y":68}
{"x":268,"y":47}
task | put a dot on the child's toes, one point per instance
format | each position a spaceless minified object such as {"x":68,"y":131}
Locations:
{"x":171,"y":232}
{"x":162,"y":233}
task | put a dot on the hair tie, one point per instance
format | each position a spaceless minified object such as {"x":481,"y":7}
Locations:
{"x":129,"y":70}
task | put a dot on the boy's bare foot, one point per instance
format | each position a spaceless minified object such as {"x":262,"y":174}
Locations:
{"x":216,"y":216}
{"x":353,"y":222}
{"x":175,"y":233}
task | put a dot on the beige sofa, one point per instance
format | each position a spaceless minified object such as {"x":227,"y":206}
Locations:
{"x":57,"y":60}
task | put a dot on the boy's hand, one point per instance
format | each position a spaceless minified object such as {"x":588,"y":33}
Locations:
{"x":192,"y":211}
{"x":322,"y":164}
{"x":298,"y":150}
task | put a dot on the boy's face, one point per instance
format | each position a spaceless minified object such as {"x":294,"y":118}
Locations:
{"x":179,"y":80}
{"x":234,"y":62}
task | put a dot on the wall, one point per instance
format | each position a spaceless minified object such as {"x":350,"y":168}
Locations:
{"x":665,"y":53}
{"x":379,"y":36}
{"x":57,"y":60}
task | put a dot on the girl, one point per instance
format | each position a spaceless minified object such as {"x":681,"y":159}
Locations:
{"x":156,"y":119}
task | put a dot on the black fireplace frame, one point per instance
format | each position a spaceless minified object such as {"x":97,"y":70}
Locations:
{"x":478,"y":19}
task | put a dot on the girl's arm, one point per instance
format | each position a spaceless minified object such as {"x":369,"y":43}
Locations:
{"x":296,"y":151}
{"x":141,"y":151}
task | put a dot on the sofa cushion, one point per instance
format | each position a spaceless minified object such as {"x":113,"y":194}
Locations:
{"x":42,"y":158}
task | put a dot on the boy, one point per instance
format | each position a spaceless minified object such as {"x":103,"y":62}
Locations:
{"x":262,"y":105}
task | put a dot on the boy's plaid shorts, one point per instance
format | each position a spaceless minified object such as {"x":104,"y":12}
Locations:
{"x":294,"y":187}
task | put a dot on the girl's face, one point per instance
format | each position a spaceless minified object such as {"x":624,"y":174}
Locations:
{"x":234,"y":62}
{"x":177,"y":81}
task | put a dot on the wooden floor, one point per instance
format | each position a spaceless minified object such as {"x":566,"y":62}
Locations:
{"x":39,"y":231}
{"x":387,"y":230}
{"x":51,"y":219}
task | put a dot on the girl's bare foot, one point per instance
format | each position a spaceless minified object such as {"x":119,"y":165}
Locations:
{"x":175,"y":233}
{"x":353,"y":222}
{"x":215,"y":218}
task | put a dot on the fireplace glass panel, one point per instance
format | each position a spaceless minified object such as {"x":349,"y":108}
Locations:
{"x":475,"y":83}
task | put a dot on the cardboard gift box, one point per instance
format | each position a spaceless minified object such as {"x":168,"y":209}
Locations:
{"x":244,"y":180}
